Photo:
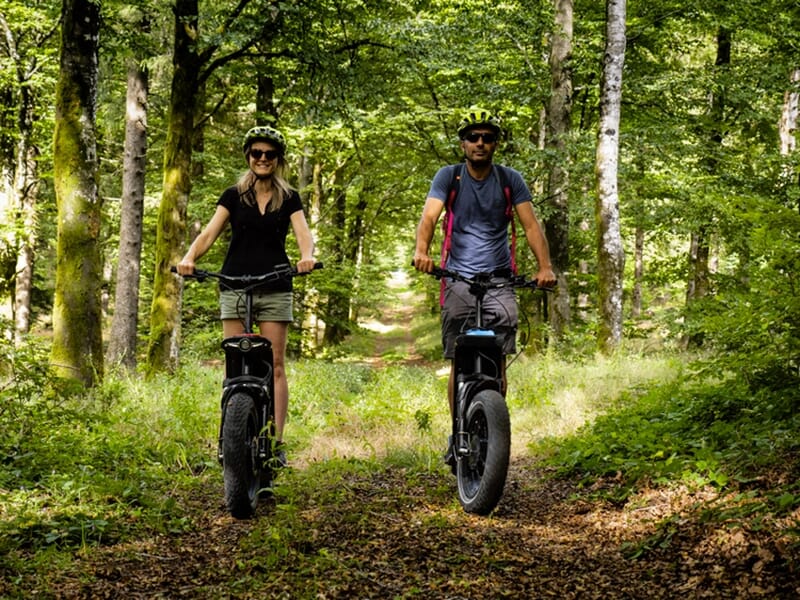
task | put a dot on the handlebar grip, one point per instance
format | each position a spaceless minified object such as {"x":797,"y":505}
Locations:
{"x":295,"y":273}
{"x":198,"y":274}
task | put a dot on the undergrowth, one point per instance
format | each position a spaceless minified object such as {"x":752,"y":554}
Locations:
{"x":742,"y":444}
{"x":84,"y":468}
{"x":714,"y":433}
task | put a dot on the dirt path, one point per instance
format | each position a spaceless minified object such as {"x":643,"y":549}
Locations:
{"x":394,"y":332}
{"x":396,"y":536}
{"x":399,"y":534}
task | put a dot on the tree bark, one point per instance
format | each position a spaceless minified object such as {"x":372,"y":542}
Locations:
{"x":26,"y":191}
{"x":610,"y":253}
{"x":22,"y":181}
{"x":124,"y":325}
{"x":77,"y":334}
{"x":162,"y":352}
{"x":699,"y":282}
{"x":336,"y":313}
{"x":787,"y":126}
{"x":559,"y":115}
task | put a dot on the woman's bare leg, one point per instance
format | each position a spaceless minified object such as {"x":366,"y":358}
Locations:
{"x":276,"y":332}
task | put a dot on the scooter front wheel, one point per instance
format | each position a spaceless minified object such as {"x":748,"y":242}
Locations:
{"x":240,"y":462}
{"x":481,"y":472}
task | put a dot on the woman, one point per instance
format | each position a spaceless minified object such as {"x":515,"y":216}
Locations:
{"x":260,"y":208}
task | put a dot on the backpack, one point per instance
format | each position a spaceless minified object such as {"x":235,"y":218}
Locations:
{"x":447,"y":222}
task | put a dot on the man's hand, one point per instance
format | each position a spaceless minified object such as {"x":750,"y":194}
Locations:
{"x":423,"y":262}
{"x":545,"y":278}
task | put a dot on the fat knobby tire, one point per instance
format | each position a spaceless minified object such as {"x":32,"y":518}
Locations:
{"x":482,"y":474}
{"x":240,"y":456}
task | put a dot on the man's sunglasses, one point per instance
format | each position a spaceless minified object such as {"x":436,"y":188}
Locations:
{"x":488,"y":138}
{"x":268,"y":154}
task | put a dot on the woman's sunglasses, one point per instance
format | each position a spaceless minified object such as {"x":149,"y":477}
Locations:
{"x":488,"y":138}
{"x":268,"y":154}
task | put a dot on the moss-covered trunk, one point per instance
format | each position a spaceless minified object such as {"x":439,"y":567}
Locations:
{"x":559,"y":116}
{"x":77,"y":333}
{"x":171,"y":235}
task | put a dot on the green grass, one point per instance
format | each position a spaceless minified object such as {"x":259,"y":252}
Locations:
{"x":84,"y":469}
{"x":92,"y":468}
{"x":695,"y":433}
{"x":347,"y":409}
{"x":551,"y":396}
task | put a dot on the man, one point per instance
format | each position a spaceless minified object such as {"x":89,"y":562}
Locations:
{"x":478,"y":242}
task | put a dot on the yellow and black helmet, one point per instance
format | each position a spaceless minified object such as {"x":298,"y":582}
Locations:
{"x":478,"y":117}
{"x":267,"y":134}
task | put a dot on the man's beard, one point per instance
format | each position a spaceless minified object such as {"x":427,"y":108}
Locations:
{"x":483,"y":162}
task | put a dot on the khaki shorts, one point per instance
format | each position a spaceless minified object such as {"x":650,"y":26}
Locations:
{"x":458,"y":316}
{"x":267,"y":306}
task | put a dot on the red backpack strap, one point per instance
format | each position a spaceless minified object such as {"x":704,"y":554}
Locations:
{"x":503,"y":179}
{"x":447,"y":223}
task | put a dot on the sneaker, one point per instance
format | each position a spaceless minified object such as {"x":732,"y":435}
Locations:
{"x":449,"y":455}
{"x":279,"y":456}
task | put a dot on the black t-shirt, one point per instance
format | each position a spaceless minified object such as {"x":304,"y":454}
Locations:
{"x":258,"y":242}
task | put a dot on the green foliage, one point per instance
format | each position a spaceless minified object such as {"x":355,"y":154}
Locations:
{"x":91,"y":467}
{"x":755,"y":327}
{"x":350,"y":408}
{"x":120,"y":463}
{"x":377,"y":134}
{"x":717,"y":434}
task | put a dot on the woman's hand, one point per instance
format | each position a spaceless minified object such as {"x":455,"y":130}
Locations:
{"x":186,"y":266}
{"x":305,"y":265}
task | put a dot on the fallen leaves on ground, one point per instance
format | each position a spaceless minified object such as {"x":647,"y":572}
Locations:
{"x":393,"y":534}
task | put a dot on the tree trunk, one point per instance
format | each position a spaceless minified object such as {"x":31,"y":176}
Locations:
{"x":122,"y":342}
{"x":699,"y":282}
{"x":788,"y":121}
{"x":337,"y":305}
{"x":21,"y":183}
{"x":585,"y":296}
{"x":559,"y":116}
{"x":162,"y":352}
{"x":638,"y":273}
{"x":77,"y":333}
{"x":610,"y":253}
{"x":787,"y":125}
{"x":266,"y":110}
{"x":26,"y":189}
{"x":26,"y":186}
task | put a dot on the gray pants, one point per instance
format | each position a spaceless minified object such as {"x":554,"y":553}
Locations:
{"x":458,"y":315}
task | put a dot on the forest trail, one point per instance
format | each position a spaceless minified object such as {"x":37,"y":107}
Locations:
{"x":393,"y":535}
{"x":394,"y":337}
{"x":396,"y":534}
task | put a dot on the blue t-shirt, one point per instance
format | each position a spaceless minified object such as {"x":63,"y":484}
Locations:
{"x":479,"y":243}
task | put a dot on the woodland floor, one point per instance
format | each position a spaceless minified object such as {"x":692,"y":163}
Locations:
{"x":392,"y":538}
{"x":398,"y":535}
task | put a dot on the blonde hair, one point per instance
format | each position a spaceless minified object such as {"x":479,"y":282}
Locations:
{"x":247,"y":184}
